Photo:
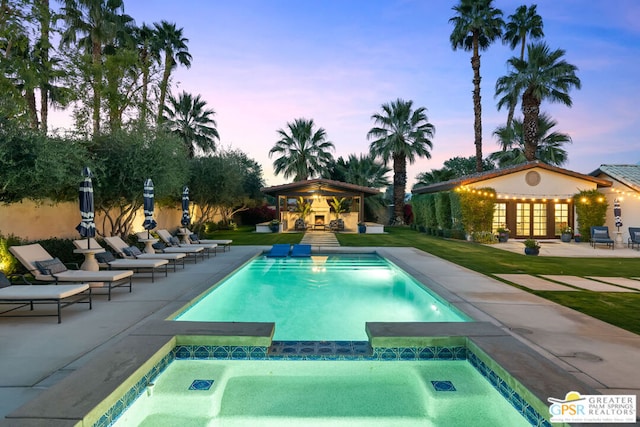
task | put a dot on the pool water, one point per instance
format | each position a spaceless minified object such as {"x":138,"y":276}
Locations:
{"x":321,"y":393}
{"x":323,"y":297}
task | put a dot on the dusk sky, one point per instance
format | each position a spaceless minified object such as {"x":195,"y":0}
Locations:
{"x":262,"y":63}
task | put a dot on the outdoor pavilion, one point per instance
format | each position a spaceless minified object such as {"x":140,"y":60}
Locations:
{"x":319,"y":192}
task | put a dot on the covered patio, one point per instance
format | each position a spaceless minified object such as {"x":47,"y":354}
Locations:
{"x":320,"y":192}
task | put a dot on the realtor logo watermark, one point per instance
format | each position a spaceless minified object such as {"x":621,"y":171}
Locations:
{"x":577,"y":408}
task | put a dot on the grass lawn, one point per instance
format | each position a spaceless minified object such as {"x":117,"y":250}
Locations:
{"x":620,"y":309}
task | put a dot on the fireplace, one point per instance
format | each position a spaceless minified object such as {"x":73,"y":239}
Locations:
{"x":319,"y":220}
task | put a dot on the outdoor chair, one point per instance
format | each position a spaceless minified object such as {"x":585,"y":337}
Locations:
{"x":173,"y":241}
{"x":279,"y":250}
{"x":634,"y":237}
{"x":107,"y":260}
{"x":191,"y":252}
{"x":123,"y":250}
{"x":301,"y":251}
{"x":29,"y":295}
{"x":300,"y":225}
{"x":46,"y":268}
{"x":600,"y":234}
{"x":225,"y":244}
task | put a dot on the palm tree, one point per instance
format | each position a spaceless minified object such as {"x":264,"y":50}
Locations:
{"x":549,"y":149}
{"x":543,"y":76}
{"x":525,"y":22}
{"x":476,"y":26}
{"x":188,"y":118}
{"x":364,"y":170}
{"x":174,"y":45}
{"x":401,"y":134}
{"x":303,"y":152}
{"x":148,"y":53}
{"x":99,"y":22}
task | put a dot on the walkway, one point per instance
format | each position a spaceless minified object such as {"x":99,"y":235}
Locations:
{"x":320,"y":239}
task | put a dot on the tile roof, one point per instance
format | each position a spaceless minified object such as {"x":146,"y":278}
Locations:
{"x":628,"y":175}
{"x":482,"y":176}
{"x":319,"y":185}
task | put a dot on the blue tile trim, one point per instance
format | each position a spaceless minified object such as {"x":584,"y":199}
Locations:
{"x":522,"y":406}
{"x":112,"y":414}
{"x":325,"y":350}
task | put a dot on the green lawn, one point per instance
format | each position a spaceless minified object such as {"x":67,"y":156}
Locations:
{"x":620,"y":309}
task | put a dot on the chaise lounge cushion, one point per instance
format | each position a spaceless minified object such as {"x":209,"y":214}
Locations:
{"x":51,"y":266}
{"x":600,"y":234}
{"x":105,"y":257}
{"x":159,"y":246}
{"x":132,"y":251}
{"x":636,"y":236}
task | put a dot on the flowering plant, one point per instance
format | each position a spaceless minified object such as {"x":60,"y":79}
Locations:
{"x":502,"y":230}
{"x":531,"y":244}
{"x":566,"y":230}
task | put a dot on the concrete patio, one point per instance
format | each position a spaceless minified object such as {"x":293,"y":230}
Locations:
{"x":37,"y":353}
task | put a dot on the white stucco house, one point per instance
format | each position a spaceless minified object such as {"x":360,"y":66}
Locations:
{"x":533,"y":200}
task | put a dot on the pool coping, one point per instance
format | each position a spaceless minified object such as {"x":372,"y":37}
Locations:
{"x":80,"y":398}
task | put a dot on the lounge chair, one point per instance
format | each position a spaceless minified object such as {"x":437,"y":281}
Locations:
{"x":107,"y":260}
{"x":279,"y":250}
{"x":301,"y":250}
{"x":46,"y":268}
{"x":28,"y":295}
{"x":125,"y":251}
{"x":336,"y":225}
{"x":192,"y":252}
{"x":173,"y":241}
{"x":634,"y":237}
{"x":225,"y":244}
{"x":600,"y":234}
{"x":300,"y":225}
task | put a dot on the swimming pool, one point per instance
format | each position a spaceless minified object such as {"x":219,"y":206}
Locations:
{"x":327,"y":393}
{"x":323,"y":297}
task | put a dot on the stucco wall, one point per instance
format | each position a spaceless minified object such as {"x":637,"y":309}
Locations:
{"x":551,"y":185}
{"x":32,"y":221}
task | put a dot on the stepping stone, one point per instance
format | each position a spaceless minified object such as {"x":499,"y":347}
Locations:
{"x":534,"y":283}
{"x":584,"y":283}
{"x":319,"y":238}
{"x":620,"y":281}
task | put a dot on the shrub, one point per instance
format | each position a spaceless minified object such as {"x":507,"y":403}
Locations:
{"x":484,"y":237}
{"x":443,"y":209}
{"x":477,"y":209}
{"x":591,"y":208}
{"x":8,"y":263}
{"x":458,"y":234}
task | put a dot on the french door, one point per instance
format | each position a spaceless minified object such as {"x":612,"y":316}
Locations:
{"x":531,"y":219}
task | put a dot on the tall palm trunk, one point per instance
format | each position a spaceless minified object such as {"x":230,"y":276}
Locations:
{"x":168,"y":65}
{"x":96,"y":85}
{"x":30,"y":98}
{"x":144,"y":59}
{"x":399,"y":186}
{"x":477,"y":105}
{"x":45,"y":25}
{"x":531,"y":111}
{"x":514,"y":102}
